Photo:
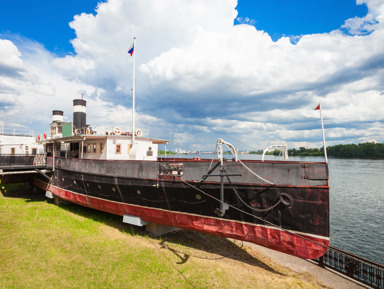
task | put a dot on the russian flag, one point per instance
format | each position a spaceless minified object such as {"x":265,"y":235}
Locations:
{"x":131,"y":49}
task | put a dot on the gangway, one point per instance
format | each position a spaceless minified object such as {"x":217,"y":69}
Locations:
{"x":20,"y":168}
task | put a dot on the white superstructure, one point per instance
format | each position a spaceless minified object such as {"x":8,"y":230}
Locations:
{"x":19,"y":145}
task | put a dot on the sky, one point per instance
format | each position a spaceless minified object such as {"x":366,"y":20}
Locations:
{"x":250,"y":72}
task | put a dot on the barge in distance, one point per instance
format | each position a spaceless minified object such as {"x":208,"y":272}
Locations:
{"x":282,"y":205}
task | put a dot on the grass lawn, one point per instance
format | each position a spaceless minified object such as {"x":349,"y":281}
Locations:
{"x":43,"y":245}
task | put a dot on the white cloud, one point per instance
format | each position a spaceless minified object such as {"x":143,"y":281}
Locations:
{"x":10,"y":61}
{"x":246,"y":20}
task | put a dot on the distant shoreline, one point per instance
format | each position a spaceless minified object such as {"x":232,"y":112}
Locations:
{"x":349,"y":151}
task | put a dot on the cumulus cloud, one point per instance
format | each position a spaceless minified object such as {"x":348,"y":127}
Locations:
{"x":10,"y":63}
{"x":200,"y":77}
{"x":32,"y":87}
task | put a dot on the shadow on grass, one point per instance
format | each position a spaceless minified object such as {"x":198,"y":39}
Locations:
{"x":22,"y":191}
{"x":219,"y":247}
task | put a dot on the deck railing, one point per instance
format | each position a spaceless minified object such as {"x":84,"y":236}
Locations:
{"x":355,"y":267}
{"x":21,"y":160}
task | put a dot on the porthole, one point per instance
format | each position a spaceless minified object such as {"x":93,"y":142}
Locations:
{"x":87,"y":185}
{"x":74,"y":181}
{"x":99,"y":187}
{"x":114,"y":189}
{"x":198,"y":196}
{"x":62,"y":179}
{"x":138,"y":192}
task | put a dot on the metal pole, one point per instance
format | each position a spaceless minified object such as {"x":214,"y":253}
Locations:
{"x":82,"y":149}
{"x":133,"y":93}
{"x":322,"y":129}
{"x":222,"y":209}
{"x":220,"y":212}
{"x":53,"y":158}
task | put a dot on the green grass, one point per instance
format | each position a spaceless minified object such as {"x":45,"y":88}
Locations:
{"x":47,"y":246}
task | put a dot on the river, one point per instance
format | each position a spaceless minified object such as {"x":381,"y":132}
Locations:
{"x":356,"y":203}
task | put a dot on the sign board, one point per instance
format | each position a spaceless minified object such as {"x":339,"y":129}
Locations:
{"x":67,"y":129}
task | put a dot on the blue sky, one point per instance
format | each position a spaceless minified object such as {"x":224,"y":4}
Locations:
{"x":43,"y":20}
{"x":250,"y":72}
{"x":294,"y":18}
{"x":47,"y":21}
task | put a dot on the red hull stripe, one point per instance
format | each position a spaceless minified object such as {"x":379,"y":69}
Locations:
{"x":270,"y":237}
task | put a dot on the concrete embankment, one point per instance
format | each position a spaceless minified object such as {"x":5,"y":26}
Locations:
{"x":325,"y":275}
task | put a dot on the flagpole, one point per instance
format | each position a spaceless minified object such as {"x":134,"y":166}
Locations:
{"x":133,"y":93}
{"x":322,"y":130}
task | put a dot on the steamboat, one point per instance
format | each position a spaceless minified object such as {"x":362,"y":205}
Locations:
{"x":282,"y":205}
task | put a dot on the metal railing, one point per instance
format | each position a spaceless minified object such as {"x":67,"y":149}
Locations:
{"x":21,"y":160}
{"x":355,"y":267}
{"x":16,"y":132}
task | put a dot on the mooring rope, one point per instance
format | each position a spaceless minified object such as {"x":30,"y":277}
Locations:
{"x":211,"y":163}
{"x":231,"y":149}
{"x":256,"y":175}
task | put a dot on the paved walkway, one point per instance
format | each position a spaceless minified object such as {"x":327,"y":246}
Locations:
{"x":326,"y":276}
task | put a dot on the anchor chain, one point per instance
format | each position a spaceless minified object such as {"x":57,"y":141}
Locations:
{"x":256,"y":209}
{"x":281,"y":199}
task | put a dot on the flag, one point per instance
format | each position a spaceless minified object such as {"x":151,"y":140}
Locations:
{"x":131,"y":49}
{"x":317,"y":107}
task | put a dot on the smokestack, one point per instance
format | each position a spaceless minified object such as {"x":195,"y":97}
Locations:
{"x":79,"y":113}
{"x":57,"y":115}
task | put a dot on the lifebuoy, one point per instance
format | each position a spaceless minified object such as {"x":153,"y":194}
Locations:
{"x":45,"y":135}
{"x":139,"y":132}
{"x":88,"y":131}
{"x":38,"y":137}
{"x":117,"y":131}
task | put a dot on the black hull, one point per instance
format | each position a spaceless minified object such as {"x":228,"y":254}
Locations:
{"x":172,"y":199}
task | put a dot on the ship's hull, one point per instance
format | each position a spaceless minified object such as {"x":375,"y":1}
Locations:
{"x":291,"y":217}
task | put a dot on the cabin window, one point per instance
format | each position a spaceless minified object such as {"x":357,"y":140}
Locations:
{"x":60,"y":129}
{"x":49,"y":149}
{"x":101,"y":148}
{"x":34,"y":151}
{"x":89,"y":148}
{"x":94,"y":148}
{"x":13,"y":151}
{"x":129,"y":148}
{"x":118,"y":148}
{"x":84,"y":149}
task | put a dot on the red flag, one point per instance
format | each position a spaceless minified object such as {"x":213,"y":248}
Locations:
{"x":317,"y":107}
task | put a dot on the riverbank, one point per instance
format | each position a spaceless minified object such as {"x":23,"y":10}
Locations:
{"x":44,"y":245}
{"x":327,"y":276}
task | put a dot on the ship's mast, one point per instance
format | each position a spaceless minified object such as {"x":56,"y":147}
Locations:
{"x":322,"y":130}
{"x":133,"y":93}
